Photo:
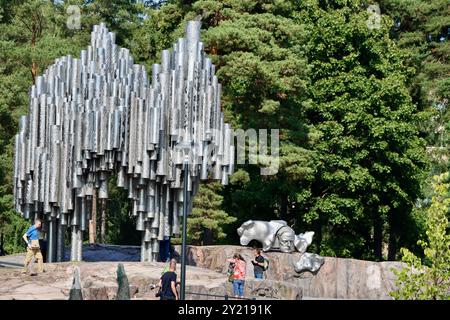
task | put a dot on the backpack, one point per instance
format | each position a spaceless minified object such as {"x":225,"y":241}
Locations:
{"x":230,"y":272}
{"x":166,"y":268}
{"x":266,"y":264}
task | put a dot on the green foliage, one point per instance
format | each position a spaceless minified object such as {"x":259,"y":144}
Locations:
{"x":420,"y":19}
{"x":29,"y":41}
{"x":12,"y":225}
{"x":205,"y":223}
{"x":120,"y":223}
{"x":32,"y":34}
{"x":429,"y":278}
{"x":355,"y":108}
{"x":370,"y":156}
{"x":422,"y":25}
{"x":351,"y":160}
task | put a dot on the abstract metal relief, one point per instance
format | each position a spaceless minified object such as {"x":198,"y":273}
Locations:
{"x":277,"y":235}
{"x":99,"y":115}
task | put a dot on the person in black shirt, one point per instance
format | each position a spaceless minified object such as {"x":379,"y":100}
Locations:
{"x":168,"y":283}
{"x":258,"y":264}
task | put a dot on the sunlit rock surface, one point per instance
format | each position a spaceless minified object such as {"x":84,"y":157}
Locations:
{"x":338,"y":278}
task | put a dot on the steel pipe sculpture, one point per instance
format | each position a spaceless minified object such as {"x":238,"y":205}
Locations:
{"x":100,"y":115}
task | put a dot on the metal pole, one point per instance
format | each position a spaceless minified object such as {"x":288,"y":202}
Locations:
{"x":2,"y":251}
{"x":60,"y":241}
{"x":74,"y":244}
{"x":51,"y":240}
{"x":183,"y":245}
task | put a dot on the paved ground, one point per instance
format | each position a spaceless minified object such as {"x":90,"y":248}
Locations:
{"x":12,"y":261}
{"x":91,"y":253}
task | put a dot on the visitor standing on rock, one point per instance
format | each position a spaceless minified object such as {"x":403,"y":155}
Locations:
{"x":238,"y":275}
{"x":31,"y":237}
{"x":168,"y":282}
{"x":259,"y":264}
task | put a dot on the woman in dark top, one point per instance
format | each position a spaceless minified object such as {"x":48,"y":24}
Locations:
{"x":168,"y":283}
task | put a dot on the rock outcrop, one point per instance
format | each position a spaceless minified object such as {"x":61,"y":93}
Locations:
{"x":98,"y":281}
{"x":338,"y":278}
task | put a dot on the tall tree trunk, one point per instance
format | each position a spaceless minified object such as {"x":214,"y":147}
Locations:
{"x":93,"y":221}
{"x":33,"y":65}
{"x":392,"y":249}
{"x":34,"y":72}
{"x":2,"y":250}
{"x":284,"y":208}
{"x":207,"y":237}
{"x":103,"y":222}
{"x":377,"y":238}
{"x":318,"y":235}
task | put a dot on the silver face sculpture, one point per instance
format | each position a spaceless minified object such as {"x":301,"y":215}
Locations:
{"x":277,"y":235}
{"x":309,"y":262}
{"x":101,"y":115}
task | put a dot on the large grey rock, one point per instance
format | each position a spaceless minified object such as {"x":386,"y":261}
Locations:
{"x":123,"y":290}
{"x":338,"y":278}
{"x":98,"y":281}
{"x":272,"y":289}
{"x":76,"y":292}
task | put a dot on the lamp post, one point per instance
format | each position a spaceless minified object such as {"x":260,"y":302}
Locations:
{"x":184,"y":236}
{"x":186,"y":147}
{"x":2,"y":251}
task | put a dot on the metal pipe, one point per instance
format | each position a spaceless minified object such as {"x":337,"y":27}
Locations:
{"x":51,"y":240}
{"x":74,"y":245}
{"x":60,"y":242}
{"x":79,"y":252}
{"x":184,"y":236}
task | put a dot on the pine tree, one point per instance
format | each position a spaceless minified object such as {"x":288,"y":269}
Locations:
{"x":351,"y":159}
{"x":206,"y":222}
{"x":31,"y":37}
{"x":349,"y":102}
{"x":423,"y":29}
{"x":32,"y":34}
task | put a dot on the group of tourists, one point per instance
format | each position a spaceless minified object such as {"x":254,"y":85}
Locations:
{"x":236,"y":274}
{"x":167,"y":287}
{"x":237,"y":271}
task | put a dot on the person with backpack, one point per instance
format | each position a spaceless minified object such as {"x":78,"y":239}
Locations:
{"x":260,"y":264}
{"x":238,"y":277}
{"x":168,"y":282}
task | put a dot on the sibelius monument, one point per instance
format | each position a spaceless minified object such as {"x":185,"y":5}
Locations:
{"x":100,"y":115}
